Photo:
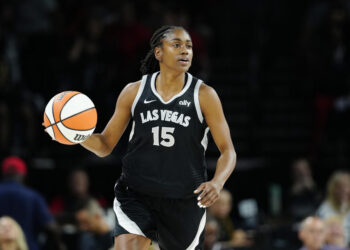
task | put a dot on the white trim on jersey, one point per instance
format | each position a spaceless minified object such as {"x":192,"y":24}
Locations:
{"x":204,"y":141}
{"x":201,"y":226}
{"x":132,"y":131}
{"x":139,"y":92}
{"x":125,"y":221}
{"x":187,"y":85}
{"x":196,"y":100}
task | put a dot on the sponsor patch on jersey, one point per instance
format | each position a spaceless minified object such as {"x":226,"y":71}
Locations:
{"x":185,"y":103}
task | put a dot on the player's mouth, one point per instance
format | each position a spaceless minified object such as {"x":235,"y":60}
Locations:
{"x":184,"y":61}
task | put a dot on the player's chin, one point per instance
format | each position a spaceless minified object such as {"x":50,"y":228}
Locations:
{"x":184,"y":68}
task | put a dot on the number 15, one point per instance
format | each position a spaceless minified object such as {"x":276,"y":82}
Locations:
{"x":168,"y":139}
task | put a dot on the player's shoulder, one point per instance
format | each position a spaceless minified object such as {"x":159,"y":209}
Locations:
{"x":129,"y":93}
{"x":130,"y":90}
{"x":132,"y":87}
{"x":206,"y":91}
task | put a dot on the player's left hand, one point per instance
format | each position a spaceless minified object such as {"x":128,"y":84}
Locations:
{"x":209,"y":193}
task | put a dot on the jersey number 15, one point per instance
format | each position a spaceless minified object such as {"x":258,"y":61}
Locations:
{"x":166,"y":134}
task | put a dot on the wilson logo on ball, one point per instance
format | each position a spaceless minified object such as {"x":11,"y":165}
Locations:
{"x":79,"y":137}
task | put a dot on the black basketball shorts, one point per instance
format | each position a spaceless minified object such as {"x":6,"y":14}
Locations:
{"x":176,"y":224}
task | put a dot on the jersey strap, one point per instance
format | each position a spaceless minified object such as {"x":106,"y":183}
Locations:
{"x":139,"y":92}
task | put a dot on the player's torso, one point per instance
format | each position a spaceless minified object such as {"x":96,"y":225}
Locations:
{"x":168,"y":138}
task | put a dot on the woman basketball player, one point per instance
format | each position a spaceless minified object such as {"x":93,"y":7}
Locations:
{"x":163,"y":189}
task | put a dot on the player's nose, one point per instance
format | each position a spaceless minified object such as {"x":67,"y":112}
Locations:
{"x":184,"y":50}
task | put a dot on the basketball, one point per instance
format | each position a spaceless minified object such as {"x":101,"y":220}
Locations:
{"x":70,"y":117}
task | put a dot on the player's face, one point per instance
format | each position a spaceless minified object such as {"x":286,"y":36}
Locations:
{"x":176,"y":52}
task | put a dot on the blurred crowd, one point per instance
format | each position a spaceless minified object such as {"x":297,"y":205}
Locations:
{"x":76,"y":219}
{"x":95,"y":47}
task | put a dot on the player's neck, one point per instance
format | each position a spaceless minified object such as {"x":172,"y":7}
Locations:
{"x":170,"y":81}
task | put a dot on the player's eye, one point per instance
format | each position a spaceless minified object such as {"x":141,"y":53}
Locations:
{"x":189,"y":46}
{"x":176,"y":45}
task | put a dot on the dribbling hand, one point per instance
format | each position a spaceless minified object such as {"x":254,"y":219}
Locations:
{"x":209,"y":193}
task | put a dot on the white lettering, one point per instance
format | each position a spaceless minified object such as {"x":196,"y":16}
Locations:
{"x":143,"y":120}
{"x":162,"y":114}
{"x":149,"y":116}
{"x":174,"y":117}
{"x":187,"y":121}
{"x":185,"y":103}
{"x":165,"y":115}
{"x":168,"y":115}
{"x":180,"y":119}
{"x":155,"y":114}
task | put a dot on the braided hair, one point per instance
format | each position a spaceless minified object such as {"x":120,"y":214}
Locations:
{"x":150,"y":64}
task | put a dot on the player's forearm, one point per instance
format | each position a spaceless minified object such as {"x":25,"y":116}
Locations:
{"x":224,"y":167}
{"x":96,"y":144}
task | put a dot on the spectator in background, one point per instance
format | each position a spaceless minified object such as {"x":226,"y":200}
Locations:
{"x":65,"y":207}
{"x":211,"y":235}
{"x":312,"y":234}
{"x":304,"y":197}
{"x":17,"y":118}
{"x":129,"y":37}
{"x":220,"y":211}
{"x":35,"y":30}
{"x":11,"y":235}
{"x":326,"y":39}
{"x":96,"y":233}
{"x":337,"y":202}
{"x":87,"y":56}
{"x":91,"y":64}
{"x":25,"y":205}
{"x":335,"y":233}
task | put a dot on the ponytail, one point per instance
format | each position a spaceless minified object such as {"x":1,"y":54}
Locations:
{"x":149,"y":64}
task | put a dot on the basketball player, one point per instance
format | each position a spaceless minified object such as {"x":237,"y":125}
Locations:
{"x":163,"y":190}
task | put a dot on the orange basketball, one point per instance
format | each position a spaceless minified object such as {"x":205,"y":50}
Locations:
{"x":70,"y":117}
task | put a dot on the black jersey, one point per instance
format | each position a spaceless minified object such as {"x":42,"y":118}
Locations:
{"x":167,"y":142}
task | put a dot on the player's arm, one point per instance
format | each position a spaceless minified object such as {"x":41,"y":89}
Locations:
{"x":214,"y":116}
{"x":102,"y":144}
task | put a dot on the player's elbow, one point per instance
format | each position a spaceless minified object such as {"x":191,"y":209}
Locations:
{"x":230,"y":154}
{"x":234,"y":154}
{"x":103,"y":153}
{"x":105,"y":148}
{"x":228,"y":150}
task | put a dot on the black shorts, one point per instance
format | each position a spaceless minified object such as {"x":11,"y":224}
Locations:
{"x":176,"y":224}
